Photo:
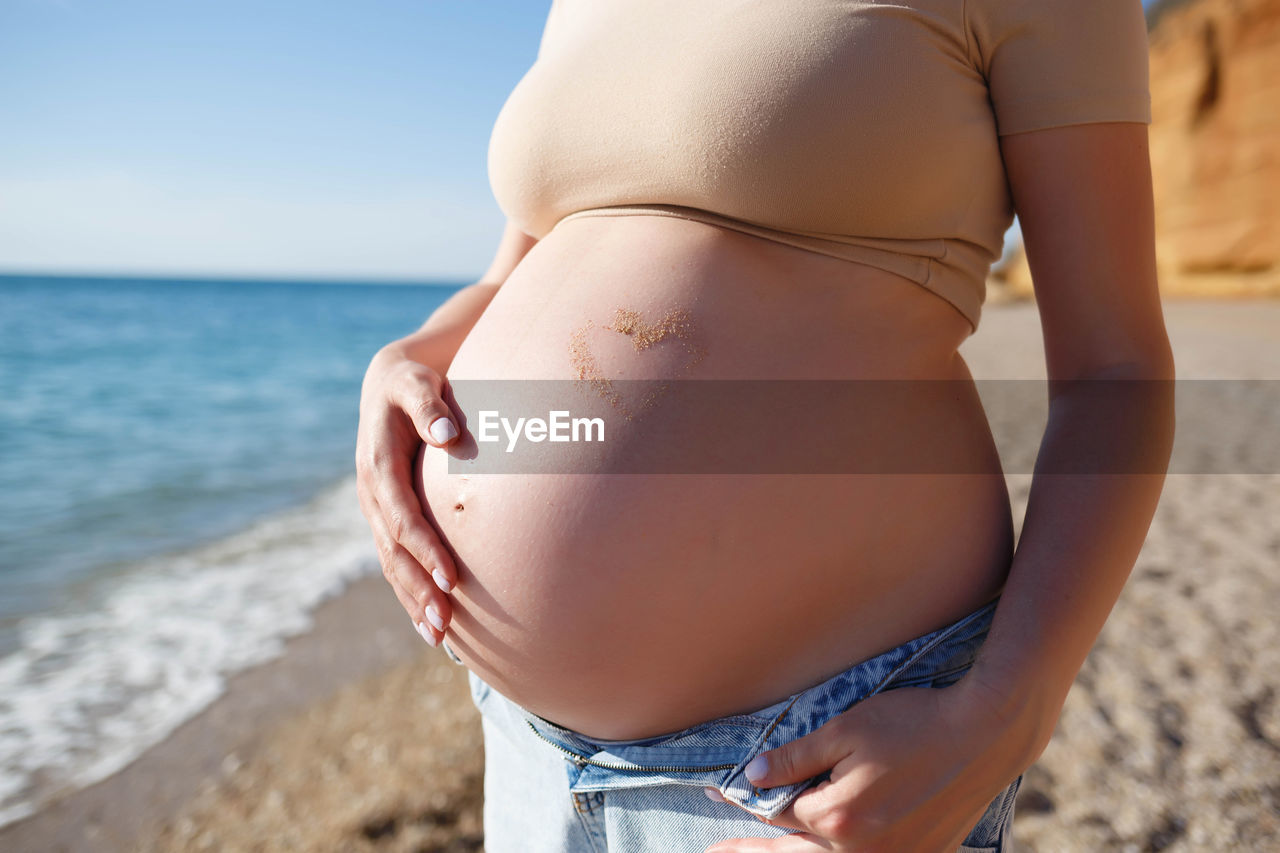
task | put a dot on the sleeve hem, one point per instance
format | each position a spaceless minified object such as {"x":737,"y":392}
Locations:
{"x":1023,"y":116}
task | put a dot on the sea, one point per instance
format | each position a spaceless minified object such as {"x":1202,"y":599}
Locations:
{"x":177,"y":495}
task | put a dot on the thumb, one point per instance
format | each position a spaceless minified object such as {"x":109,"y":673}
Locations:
{"x":420,"y":394}
{"x":801,"y":759}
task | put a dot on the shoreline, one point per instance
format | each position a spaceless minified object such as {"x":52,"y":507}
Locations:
{"x":115,"y":812}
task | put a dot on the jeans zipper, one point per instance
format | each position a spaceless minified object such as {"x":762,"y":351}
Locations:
{"x":581,"y":760}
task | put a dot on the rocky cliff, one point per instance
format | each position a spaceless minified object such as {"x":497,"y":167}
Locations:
{"x":1215,"y":150}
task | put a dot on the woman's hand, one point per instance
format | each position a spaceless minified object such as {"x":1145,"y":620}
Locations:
{"x":913,"y":769}
{"x":401,"y":406}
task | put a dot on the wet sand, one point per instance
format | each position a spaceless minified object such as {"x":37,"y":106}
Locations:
{"x":363,"y":738}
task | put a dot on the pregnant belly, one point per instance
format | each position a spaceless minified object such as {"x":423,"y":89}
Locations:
{"x":625,"y":606}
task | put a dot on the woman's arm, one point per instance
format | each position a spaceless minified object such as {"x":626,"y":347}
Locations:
{"x":1084,"y":200}
{"x":913,"y":769}
{"x":436,"y":342}
{"x":402,"y":405}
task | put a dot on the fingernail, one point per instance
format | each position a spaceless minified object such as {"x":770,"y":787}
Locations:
{"x":442,"y":429}
{"x":434,"y":618}
{"x":757,"y":769}
{"x":713,"y":794}
{"x":426,"y":635}
{"x":441,"y":580}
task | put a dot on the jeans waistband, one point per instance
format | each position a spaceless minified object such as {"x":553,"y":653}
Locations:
{"x":716,"y":753}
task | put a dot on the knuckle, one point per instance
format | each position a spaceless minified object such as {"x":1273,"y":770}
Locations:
{"x":415,"y":378}
{"x":427,"y":408}
{"x":844,"y":725}
{"x":836,"y":824}
{"x":380,"y":460}
{"x":423,"y":373}
{"x":408,"y":581}
{"x":432,"y":547}
{"x":397,"y":525}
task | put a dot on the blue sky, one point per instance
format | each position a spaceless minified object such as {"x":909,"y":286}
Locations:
{"x":333,"y":139}
{"x":234,"y":137}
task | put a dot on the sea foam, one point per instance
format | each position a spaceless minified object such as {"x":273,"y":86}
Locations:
{"x":87,"y":691}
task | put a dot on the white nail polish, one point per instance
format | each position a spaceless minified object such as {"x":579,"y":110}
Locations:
{"x":441,"y":580}
{"x":442,"y":429}
{"x":426,"y":635}
{"x":713,"y":794}
{"x":434,"y":618}
{"x":756,"y":769}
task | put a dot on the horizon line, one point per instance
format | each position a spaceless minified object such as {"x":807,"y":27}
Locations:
{"x":264,"y":278}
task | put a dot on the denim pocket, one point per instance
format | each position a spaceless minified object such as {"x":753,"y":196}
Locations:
{"x":992,"y":833}
{"x":480,"y":691}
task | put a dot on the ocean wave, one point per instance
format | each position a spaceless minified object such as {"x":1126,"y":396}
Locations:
{"x":86,"y":692}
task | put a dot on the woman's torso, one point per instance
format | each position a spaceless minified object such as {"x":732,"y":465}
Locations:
{"x":624,"y":606}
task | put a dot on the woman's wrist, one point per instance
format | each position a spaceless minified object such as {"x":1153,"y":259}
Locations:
{"x":437,"y":341}
{"x":422,"y":346}
{"x":1024,"y":703}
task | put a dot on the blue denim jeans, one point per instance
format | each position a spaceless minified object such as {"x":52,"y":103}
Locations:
{"x":552,"y":790}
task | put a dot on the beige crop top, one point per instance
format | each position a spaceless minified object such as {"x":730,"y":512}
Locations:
{"x":861,"y":129}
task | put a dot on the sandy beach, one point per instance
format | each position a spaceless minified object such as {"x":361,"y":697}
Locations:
{"x":363,"y":738}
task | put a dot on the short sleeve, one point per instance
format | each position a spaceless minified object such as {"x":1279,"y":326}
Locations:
{"x":1050,"y":63}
